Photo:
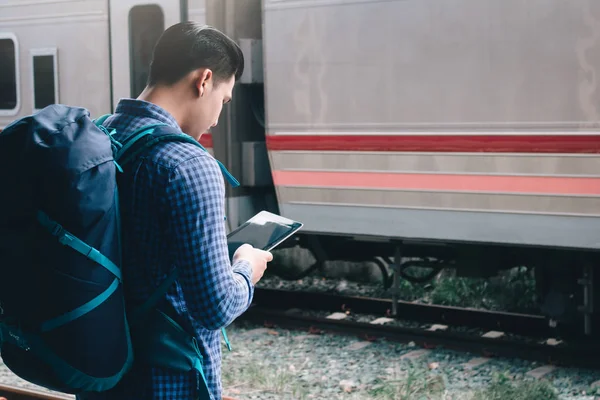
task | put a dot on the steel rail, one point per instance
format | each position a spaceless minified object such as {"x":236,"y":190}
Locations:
{"x":285,"y":308}
{"x":522,"y":324}
{"x":20,"y":393}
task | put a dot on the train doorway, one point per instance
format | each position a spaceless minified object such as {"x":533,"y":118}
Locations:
{"x":136,"y":25}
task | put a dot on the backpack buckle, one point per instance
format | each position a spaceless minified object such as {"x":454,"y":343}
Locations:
{"x":57,"y":230}
{"x":61,"y":234}
{"x":65,"y":238}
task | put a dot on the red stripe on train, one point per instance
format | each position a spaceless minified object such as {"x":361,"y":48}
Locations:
{"x":440,"y":182}
{"x":587,"y":144}
{"x":206,"y":140}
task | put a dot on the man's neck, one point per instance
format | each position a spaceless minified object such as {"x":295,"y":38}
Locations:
{"x":167,"y":99}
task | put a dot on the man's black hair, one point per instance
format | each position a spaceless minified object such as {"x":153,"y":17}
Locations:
{"x":187,"y":46}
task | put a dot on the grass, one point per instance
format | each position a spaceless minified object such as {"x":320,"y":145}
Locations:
{"x":414,"y":383}
{"x":513,"y":291}
{"x":420,"y":384}
{"x":417,"y":383}
{"x":259,"y":377}
{"x":410,"y":381}
{"x":501,"y":388}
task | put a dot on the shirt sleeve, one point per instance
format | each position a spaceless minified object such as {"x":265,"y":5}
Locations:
{"x":215,"y":291}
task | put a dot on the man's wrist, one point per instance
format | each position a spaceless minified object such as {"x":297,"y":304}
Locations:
{"x":243,"y":267}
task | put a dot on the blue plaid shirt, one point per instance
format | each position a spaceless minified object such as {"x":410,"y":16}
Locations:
{"x":173,"y":215}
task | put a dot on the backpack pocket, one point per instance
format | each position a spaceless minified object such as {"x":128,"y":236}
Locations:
{"x":159,"y":341}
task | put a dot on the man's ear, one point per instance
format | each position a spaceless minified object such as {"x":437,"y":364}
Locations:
{"x":203,"y":81}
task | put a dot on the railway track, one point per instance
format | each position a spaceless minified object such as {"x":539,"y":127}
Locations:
{"x":15,"y":393}
{"x":491,"y":333}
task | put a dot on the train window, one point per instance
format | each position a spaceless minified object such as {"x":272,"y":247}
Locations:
{"x":9,"y":74}
{"x":146,"y":24}
{"x":45,"y":77}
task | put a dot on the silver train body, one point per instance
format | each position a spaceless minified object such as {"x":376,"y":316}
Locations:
{"x":446,"y":126}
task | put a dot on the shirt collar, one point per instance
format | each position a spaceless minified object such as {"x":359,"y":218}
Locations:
{"x":141,"y":108}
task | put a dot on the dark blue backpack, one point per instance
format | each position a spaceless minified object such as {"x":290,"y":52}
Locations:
{"x":63,"y":318}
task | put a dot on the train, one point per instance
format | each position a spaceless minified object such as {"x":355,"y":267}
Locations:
{"x":455,"y":133}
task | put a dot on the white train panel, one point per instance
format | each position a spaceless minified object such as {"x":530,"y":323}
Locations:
{"x":392,"y":65}
{"x":75,"y":33}
{"x":438,"y":120}
{"x":136,"y":24}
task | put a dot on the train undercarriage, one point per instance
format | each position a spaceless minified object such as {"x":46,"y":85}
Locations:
{"x":565,"y":279}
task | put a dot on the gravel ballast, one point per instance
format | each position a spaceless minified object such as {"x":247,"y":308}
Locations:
{"x":276,"y":363}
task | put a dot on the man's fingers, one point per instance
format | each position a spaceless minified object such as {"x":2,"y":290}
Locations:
{"x":269,"y":256}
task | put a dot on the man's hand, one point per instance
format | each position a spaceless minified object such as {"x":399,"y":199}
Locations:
{"x":258,"y":260}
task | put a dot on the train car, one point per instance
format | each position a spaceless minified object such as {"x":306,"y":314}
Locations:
{"x":471,"y":125}
{"x":463,"y":133}
{"x":88,"y":53}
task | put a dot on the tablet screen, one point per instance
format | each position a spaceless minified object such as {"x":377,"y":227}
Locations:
{"x":263,"y":231}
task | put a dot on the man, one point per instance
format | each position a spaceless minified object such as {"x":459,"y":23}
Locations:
{"x":173,"y":207}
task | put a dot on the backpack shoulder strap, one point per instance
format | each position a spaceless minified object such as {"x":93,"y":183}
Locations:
{"x":100,"y":120}
{"x":140,"y":312}
{"x":148,"y":136}
{"x":140,"y":141}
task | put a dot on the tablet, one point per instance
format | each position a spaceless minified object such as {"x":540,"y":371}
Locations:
{"x":264,"y":231}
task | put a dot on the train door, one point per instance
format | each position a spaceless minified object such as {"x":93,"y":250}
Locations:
{"x":136,"y":25}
